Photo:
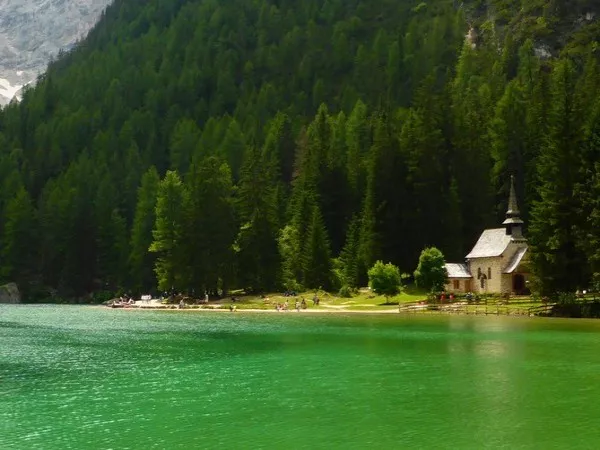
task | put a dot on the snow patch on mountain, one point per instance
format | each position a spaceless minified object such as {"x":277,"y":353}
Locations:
{"x":7,"y":90}
{"x":33,"y":31}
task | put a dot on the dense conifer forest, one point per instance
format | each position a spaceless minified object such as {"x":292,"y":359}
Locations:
{"x":283,"y":144}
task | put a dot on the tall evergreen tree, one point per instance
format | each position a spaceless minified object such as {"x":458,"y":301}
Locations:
{"x":233,"y":147}
{"x":472,"y":107}
{"x":587,"y":191}
{"x":168,"y":232}
{"x":349,"y":255}
{"x":184,"y":140}
{"x":317,"y":254}
{"x":358,"y":140}
{"x":558,"y":262}
{"x":141,"y":261}
{"x":18,"y":262}
{"x":258,"y":257}
{"x":507,"y":144}
{"x":111,"y":238}
{"x":210,"y":226}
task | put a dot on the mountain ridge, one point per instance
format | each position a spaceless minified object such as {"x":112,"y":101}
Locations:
{"x":32,"y":32}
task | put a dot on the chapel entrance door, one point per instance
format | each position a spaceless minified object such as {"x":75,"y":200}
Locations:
{"x":518,"y":284}
{"x":468,"y":286}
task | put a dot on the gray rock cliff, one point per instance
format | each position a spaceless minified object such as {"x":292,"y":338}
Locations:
{"x":9,"y":293}
{"x":33,"y":31}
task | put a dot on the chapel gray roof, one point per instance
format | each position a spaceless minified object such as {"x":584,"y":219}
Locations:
{"x":457,"y":270}
{"x":491,"y":243}
{"x":516,"y":260}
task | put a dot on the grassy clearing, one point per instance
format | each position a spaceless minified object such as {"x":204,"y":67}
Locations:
{"x":363,"y":300}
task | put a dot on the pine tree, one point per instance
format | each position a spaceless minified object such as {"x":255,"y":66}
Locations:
{"x":382,"y":216}
{"x":358,"y":140}
{"x":290,"y":251}
{"x":141,"y":261}
{"x":349,"y":255}
{"x":256,"y":243}
{"x":279,"y":148}
{"x":168,"y":242}
{"x":19,"y":237}
{"x":183,"y":143}
{"x":333,"y":187}
{"x":587,"y":191}
{"x":111,"y":237}
{"x":534,"y":85}
{"x":210,"y":226}
{"x":233,"y":147}
{"x":558,"y":263}
{"x":507,"y":144}
{"x":422,"y":144}
{"x":472,"y":107}
{"x":310,"y":163}
{"x":316,"y":258}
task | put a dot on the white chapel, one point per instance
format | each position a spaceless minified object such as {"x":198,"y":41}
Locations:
{"x":498,"y":262}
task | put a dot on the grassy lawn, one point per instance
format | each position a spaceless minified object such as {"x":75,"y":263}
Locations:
{"x":363,"y":300}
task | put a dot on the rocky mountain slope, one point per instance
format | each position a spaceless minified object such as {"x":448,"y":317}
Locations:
{"x":33,"y":31}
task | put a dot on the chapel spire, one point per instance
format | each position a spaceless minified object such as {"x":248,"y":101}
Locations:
{"x":513,"y":222}
{"x":513,"y":208}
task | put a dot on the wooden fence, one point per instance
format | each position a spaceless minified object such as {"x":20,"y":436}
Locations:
{"x":475,"y":309}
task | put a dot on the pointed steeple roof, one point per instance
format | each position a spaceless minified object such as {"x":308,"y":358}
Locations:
{"x":512,"y":213}
{"x":513,"y":208}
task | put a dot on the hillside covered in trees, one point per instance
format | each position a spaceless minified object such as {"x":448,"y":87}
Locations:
{"x":264,"y":144}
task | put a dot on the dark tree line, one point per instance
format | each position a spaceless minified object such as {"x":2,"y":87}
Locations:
{"x":267,"y":144}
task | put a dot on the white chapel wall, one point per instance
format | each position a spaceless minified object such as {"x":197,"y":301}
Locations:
{"x":487,"y":266}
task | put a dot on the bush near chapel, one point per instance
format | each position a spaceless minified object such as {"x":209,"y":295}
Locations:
{"x":431,"y":272}
{"x":384,"y":279}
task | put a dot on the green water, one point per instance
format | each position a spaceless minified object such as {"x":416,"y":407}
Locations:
{"x":85,"y":378}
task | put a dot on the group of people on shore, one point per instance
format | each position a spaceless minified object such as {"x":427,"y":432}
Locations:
{"x":126,"y":300}
{"x":285,"y":306}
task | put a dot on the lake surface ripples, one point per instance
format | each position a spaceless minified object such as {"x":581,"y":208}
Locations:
{"x":87,"y":378}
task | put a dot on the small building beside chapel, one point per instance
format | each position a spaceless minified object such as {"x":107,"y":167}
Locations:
{"x":498,"y":262}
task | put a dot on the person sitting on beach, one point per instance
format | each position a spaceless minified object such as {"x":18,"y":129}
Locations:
{"x":303,"y":303}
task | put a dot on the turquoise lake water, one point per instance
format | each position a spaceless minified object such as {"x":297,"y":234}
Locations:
{"x":91,"y":378}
